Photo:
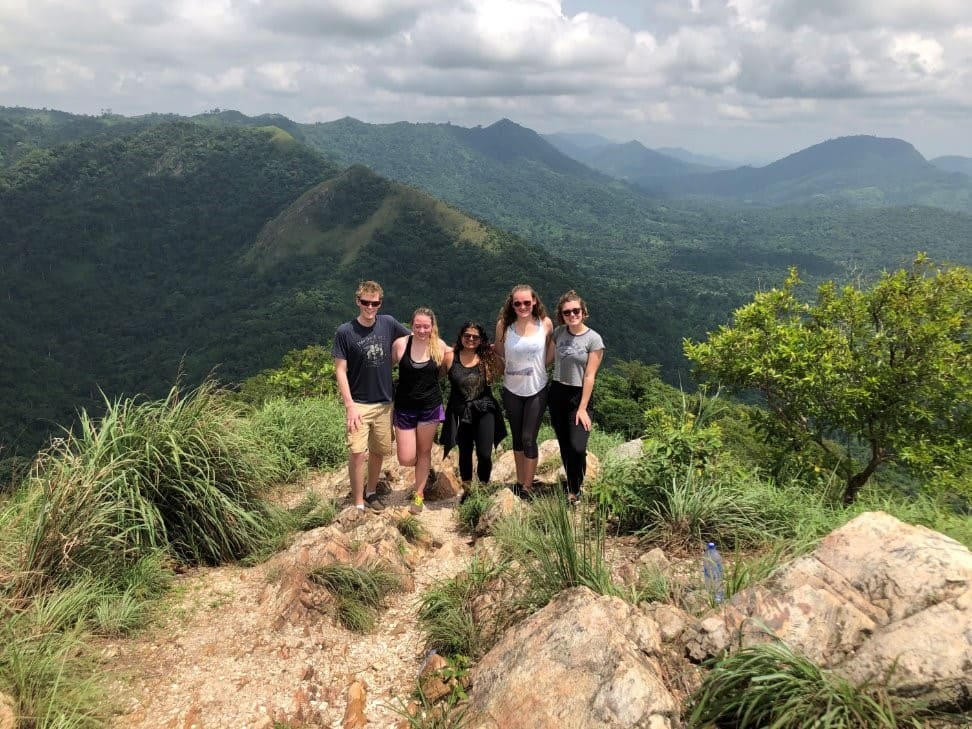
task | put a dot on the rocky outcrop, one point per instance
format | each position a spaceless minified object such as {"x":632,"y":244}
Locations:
{"x":584,"y":661}
{"x":356,"y":538}
{"x":550,"y":472}
{"x":877,"y":600}
{"x":502,"y":504}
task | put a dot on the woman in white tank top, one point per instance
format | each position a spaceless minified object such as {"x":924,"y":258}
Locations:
{"x":523,"y":340}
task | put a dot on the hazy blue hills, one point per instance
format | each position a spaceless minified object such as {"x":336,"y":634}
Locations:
{"x":954,"y":163}
{"x":858,"y":170}
{"x":705,"y":160}
{"x":634,"y":162}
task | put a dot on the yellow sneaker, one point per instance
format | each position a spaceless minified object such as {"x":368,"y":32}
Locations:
{"x":417,"y":504}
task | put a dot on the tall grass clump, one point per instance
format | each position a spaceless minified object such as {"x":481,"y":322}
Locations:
{"x":358,"y":592}
{"x":454,"y":624}
{"x":556,"y":548}
{"x":304,"y":433}
{"x":474,"y":504}
{"x":46,"y":664}
{"x":769,"y":685}
{"x":178,"y":475}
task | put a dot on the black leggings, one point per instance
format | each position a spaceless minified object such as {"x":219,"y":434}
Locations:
{"x":525,"y":414}
{"x":571,"y":437}
{"x":476,"y":435}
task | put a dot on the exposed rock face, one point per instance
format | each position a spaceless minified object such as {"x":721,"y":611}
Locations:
{"x":355,"y":538}
{"x":584,"y":661}
{"x":8,"y":717}
{"x":502,"y":504}
{"x":877,"y":598}
{"x":445,"y":486}
{"x":630,"y":450}
{"x":550,"y":471}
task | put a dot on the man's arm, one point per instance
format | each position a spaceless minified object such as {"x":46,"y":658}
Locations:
{"x":353,"y":418}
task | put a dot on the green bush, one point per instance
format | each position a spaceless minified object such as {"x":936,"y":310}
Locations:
{"x":51,"y":674}
{"x":474,"y":504}
{"x":446,"y":613}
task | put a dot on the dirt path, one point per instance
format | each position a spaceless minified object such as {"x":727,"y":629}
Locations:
{"x":218,"y":657}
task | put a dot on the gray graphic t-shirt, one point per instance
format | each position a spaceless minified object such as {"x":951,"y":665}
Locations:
{"x":571,"y":354}
{"x":368,"y":353}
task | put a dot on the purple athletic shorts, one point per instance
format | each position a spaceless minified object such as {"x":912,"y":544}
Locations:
{"x":411,"y":419}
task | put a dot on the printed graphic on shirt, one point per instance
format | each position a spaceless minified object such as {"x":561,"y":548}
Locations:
{"x":566,"y":348}
{"x":523,"y":371}
{"x":372,"y":351}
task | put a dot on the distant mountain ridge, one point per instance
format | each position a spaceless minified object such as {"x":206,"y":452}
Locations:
{"x":954,"y":163}
{"x":857,"y":170}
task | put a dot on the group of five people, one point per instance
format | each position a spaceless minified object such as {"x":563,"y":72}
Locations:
{"x":525,"y":343}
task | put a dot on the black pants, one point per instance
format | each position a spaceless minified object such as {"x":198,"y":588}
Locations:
{"x":525,"y":414}
{"x":571,"y":437}
{"x":478,"y":436}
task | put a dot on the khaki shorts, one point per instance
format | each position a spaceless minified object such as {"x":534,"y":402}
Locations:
{"x":375,"y":432}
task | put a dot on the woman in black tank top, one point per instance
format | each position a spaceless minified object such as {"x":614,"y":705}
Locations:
{"x":422,"y":358}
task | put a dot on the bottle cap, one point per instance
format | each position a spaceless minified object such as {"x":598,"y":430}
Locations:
{"x":710,"y":545}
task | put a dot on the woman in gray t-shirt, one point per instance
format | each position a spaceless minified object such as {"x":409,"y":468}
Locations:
{"x":578,"y":352}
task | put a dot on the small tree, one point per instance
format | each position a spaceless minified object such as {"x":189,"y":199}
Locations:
{"x":890,"y":365}
{"x":307,"y":372}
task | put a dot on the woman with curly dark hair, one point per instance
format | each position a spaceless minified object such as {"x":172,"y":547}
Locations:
{"x":474,"y":420}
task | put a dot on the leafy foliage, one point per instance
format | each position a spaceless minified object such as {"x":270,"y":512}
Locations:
{"x":890,"y":365}
{"x":555,"y":548}
{"x":446,"y":610}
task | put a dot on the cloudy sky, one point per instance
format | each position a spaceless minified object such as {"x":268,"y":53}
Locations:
{"x":745,"y":79}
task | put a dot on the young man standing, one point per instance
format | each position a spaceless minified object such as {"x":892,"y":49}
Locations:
{"x":363,"y":360}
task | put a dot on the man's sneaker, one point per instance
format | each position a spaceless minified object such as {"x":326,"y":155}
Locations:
{"x":418,"y":503}
{"x":374,"y":502}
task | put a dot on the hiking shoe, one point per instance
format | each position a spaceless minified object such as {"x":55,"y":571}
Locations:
{"x":417,"y":504}
{"x":374,"y":502}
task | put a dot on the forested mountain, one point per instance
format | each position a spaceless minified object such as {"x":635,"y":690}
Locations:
{"x":185,"y":247}
{"x":859,"y":170}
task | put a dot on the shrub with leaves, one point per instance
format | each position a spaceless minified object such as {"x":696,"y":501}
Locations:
{"x":446,"y":613}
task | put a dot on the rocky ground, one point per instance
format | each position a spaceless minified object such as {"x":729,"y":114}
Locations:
{"x":236,"y":646}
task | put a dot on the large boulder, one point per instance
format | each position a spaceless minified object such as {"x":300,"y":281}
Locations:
{"x":878,"y":599}
{"x":584,"y":661}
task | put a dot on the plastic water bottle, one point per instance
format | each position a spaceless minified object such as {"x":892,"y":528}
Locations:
{"x":712,"y":572}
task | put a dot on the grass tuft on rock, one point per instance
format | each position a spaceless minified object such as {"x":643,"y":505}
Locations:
{"x":359,"y":592}
{"x":770,"y":685}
